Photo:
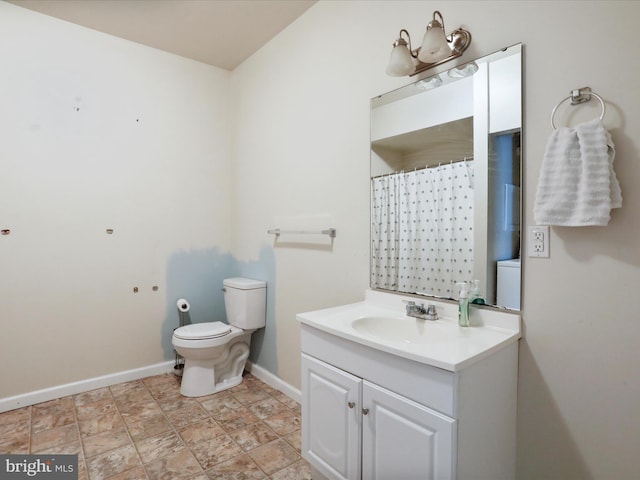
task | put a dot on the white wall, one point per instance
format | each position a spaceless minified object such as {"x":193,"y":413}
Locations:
{"x":99,"y":133}
{"x":302,"y":133}
{"x":299,"y":140}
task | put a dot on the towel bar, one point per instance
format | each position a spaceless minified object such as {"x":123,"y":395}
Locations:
{"x":577,"y":97}
{"x":277,"y":232}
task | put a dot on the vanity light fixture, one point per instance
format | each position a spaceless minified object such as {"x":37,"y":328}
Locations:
{"x":437,"y":48}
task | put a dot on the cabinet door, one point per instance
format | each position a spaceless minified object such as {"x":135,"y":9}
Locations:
{"x":330,"y":419}
{"x":403,"y":440}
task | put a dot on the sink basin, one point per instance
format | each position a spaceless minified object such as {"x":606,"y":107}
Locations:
{"x":380,"y":322}
{"x":399,"y":329}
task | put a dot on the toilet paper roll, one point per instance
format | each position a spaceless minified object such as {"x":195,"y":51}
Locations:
{"x":183,"y":305}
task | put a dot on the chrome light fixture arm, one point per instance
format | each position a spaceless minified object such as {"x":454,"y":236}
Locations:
{"x":406,"y":43}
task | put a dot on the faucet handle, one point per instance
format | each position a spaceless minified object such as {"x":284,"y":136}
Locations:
{"x":431,"y":313}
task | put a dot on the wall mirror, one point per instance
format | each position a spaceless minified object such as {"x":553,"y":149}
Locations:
{"x":445,"y":182}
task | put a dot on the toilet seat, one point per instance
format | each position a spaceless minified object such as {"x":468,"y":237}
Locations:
{"x":202,"y":331}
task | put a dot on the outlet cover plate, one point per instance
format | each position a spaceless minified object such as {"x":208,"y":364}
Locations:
{"x":538,"y":241}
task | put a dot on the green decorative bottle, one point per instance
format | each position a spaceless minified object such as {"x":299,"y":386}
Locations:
{"x":463,"y":305}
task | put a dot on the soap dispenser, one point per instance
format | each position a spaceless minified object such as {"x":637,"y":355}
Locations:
{"x":476,"y":298}
{"x":463,"y":305}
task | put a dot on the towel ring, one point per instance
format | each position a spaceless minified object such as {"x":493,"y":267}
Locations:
{"x":576,"y":97}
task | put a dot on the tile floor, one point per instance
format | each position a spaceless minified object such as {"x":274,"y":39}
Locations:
{"x":145,"y":429}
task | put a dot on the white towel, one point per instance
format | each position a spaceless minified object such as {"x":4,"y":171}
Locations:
{"x":577,"y":185}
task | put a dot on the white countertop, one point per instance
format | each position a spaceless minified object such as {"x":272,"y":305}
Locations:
{"x":440,"y":343}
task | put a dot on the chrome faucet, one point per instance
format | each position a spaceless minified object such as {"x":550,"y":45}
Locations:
{"x":418,"y":311}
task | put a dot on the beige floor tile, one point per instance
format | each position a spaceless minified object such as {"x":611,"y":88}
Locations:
{"x":127,"y":387}
{"x":92,"y":396}
{"x":9,"y":420}
{"x":201,"y":431}
{"x":95,"y":409}
{"x":55,"y":437}
{"x":294,"y":439}
{"x":250,"y":395}
{"x":147,"y":426}
{"x":82,"y":469}
{"x":185,"y":416}
{"x":135,"y":412}
{"x":137,"y":473}
{"x":100,"y":423}
{"x":158,"y":381}
{"x":73,"y":448}
{"x":211,"y":396}
{"x":181,"y":464}
{"x":270,"y":390}
{"x":105,"y":441}
{"x":162,"y":385}
{"x":216,"y":450}
{"x":240,"y":467}
{"x":267,"y":408}
{"x":133,"y":397}
{"x":284,"y":422}
{"x":112,"y":463}
{"x":238,"y":418}
{"x":146,"y":430}
{"x":47,"y":422}
{"x":171,"y":404}
{"x":168,"y":395}
{"x":14,"y":444}
{"x":288,"y":401}
{"x":253,"y":436}
{"x":52,"y":406}
{"x":159,"y":446}
{"x":298,"y":471}
{"x":218,"y":406}
{"x":274,"y":456}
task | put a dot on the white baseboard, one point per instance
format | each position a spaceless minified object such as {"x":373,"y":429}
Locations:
{"x":59,"y":391}
{"x":273,"y":381}
{"x":44,"y":395}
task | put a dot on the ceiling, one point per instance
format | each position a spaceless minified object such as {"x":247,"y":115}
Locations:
{"x":222,"y":33}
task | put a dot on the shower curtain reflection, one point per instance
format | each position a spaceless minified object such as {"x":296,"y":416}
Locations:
{"x":422,"y":229}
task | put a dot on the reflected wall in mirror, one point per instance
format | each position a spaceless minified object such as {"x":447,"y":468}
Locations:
{"x":445,"y":182}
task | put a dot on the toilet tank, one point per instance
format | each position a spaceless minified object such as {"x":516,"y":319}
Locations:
{"x":245,"y":301}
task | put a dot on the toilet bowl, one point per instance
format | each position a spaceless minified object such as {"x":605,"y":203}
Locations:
{"x":215,"y":353}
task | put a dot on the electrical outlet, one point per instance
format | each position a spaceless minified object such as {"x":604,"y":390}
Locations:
{"x":538,"y":241}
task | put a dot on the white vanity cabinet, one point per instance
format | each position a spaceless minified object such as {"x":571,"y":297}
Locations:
{"x":331,"y":438}
{"x":372,"y":415}
{"x":356,"y":429}
{"x":395,"y":428}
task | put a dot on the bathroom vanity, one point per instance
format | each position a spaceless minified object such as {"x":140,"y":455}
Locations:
{"x":386,"y":396}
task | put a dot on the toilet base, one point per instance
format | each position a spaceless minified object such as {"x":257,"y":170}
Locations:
{"x":204,"y":377}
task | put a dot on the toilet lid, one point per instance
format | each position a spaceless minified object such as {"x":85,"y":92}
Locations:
{"x":201,"y":331}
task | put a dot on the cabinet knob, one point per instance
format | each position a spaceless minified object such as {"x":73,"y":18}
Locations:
{"x":365,"y":411}
{"x":351,"y":404}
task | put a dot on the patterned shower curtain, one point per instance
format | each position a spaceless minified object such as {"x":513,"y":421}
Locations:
{"x":422,"y":229}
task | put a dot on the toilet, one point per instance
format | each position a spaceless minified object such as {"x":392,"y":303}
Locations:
{"x":215,"y":353}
